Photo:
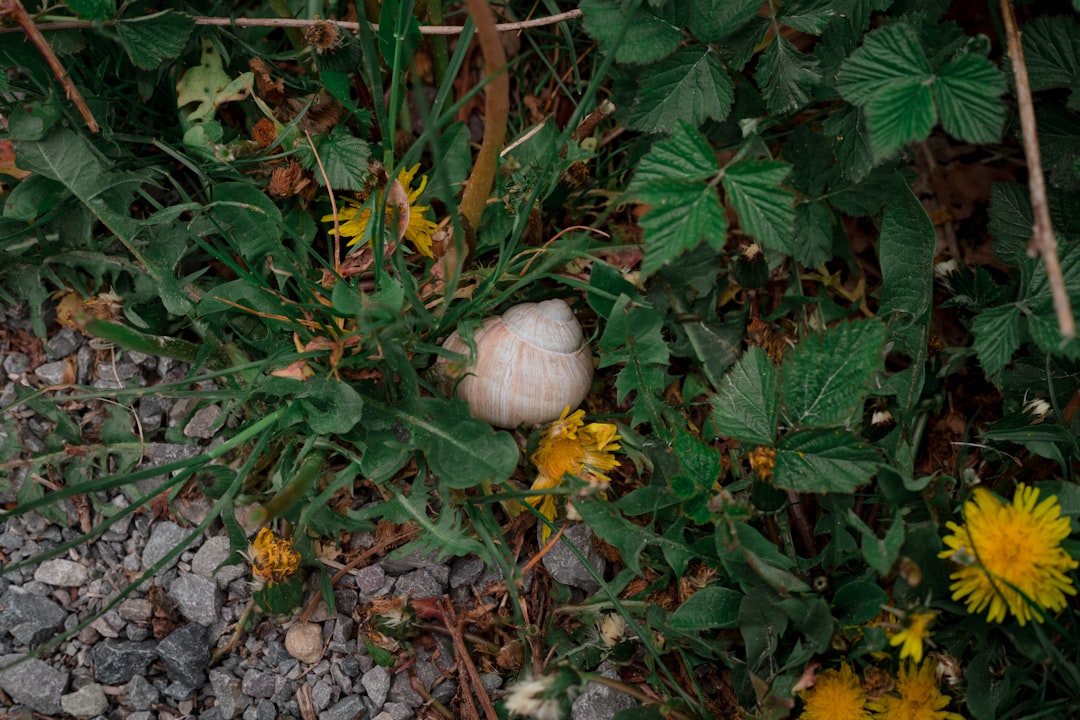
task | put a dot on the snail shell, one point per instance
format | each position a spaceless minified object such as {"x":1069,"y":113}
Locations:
{"x":531,"y":363}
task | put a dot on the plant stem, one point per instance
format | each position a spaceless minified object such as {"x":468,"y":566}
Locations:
{"x":1042,"y":241}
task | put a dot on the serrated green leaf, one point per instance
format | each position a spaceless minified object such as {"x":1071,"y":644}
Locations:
{"x":1059,"y":144}
{"x":642,"y":35}
{"x":710,"y":608}
{"x":630,"y":539}
{"x":328,"y":407}
{"x":813,"y":234}
{"x":680,"y":216}
{"x":906,"y":252}
{"x":898,"y":115}
{"x":852,"y":143}
{"x":1051,"y":51}
{"x":746,"y":404}
{"x":889,"y":57}
{"x":810,"y":16}
{"x":634,"y":336}
{"x":712,"y":20}
{"x":968,"y":93}
{"x":686,"y":155}
{"x":1046,"y":332}
{"x":766,"y":211}
{"x":151,"y":39}
{"x":346,"y":160}
{"x":690,"y":85}
{"x":997,"y":337}
{"x":1011,"y":221}
{"x":461,"y":450}
{"x":445,"y":535}
{"x":820,"y":461}
{"x":826,"y":376}
{"x":786,"y":76}
{"x":93,"y":9}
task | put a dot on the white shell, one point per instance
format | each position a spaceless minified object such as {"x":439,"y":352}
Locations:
{"x":531,"y":363}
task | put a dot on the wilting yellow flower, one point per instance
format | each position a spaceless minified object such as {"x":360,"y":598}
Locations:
{"x":916,"y":630}
{"x":353,"y":219}
{"x":917,"y":697}
{"x":569,"y":447}
{"x":1010,"y":555}
{"x":763,"y":461}
{"x":272,"y":558}
{"x":836,"y":695}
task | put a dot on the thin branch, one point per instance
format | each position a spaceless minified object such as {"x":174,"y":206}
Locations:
{"x":15,"y":10}
{"x":300,"y":23}
{"x":1043,"y":241}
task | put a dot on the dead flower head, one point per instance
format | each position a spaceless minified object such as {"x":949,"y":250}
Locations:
{"x":272,"y":558}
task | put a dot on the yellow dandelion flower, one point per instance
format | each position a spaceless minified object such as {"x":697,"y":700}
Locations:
{"x":836,"y":695}
{"x":917,"y":697}
{"x":570,"y":447}
{"x":1011,"y":556}
{"x":353,"y":219}
{"x":915,"y":632}
{"x":272,"y":558}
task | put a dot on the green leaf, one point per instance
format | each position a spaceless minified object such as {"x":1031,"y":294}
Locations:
{"x":710,"y":608}
{"x":462,"y":451}
{"x":630,"y":539}
{"x":968,"y":93}
{"x":690,"y":85}
{"x":712,"y":20}
{"x":151,"y":39}
{"x":346,"y":159}
{"x":643,"y":35}
{"x":328,"y":407}
{"x":810,"y":16}
{"x":746,"y":405}
{"x":1051,"y":51}
{"x":785,"y":76}
{"x":820,"y":461}
{"x":826,"y":376}
{"x":686,"y":155}
{"x":889,"y":58}
{"x":1011,"y":221}
{"x":997,"y":337}
{"x":859,"y":602}
{"x":766,"y":211}
{"x":852,"y":143}
{"x":248,"y":218}
{"x":33,"y":197}
{"x":445,"y":535}
{"x":1059,"y":143}
{"x":93,"y":9}
{"x":813,"y":234}
{"x":680,"y":216}
{"x":899,"y":115}
{"x":634,"y":336}
{"x":880,"y":553}
{"x":906,"y":249}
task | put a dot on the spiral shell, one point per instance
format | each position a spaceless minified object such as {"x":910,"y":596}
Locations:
{"x":531,"y":363}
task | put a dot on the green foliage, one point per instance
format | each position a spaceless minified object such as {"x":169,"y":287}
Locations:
{"x":796,"y":427}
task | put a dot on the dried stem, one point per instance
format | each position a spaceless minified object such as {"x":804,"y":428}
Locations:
{"x":301,"y":23}
{"x":15,"y":10}
{"x":1043,"y":241}
{"x":496,"y":112}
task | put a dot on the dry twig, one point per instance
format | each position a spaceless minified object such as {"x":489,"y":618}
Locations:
{"x":299,"y":23}
{"x":14,"y":9}
{"x":1043,"y":241}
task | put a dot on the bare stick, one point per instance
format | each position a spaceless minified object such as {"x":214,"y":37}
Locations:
{"x":14,"y":9}
{"x":299,"y":23}
{"x":1043,"y":241}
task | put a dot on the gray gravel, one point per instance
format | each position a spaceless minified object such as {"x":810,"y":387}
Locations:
{"x":147,"y":656}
